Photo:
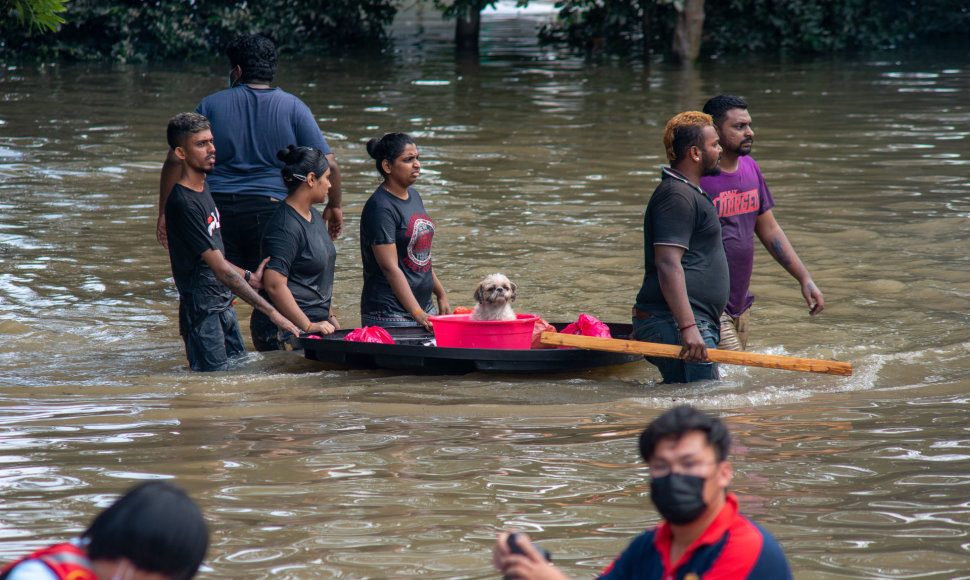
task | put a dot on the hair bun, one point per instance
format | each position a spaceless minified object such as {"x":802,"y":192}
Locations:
{"x":287,"y":155}
{"x":374,"y":148}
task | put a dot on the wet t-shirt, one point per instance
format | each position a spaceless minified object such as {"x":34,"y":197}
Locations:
{"x":739,"y":198}
{"x":303,"y":252}
{"x":679,"y":214}
{"x":387,"y":219}
{"x":249,"y":126}
{"x":193,"y":228}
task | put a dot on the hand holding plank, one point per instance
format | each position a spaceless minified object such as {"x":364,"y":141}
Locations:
{"x":771,"y":361}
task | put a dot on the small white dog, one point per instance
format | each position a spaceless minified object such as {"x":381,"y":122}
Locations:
{"x":494,"y":296}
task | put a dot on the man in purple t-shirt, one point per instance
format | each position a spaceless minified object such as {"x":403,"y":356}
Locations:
{"x":744,"y":204}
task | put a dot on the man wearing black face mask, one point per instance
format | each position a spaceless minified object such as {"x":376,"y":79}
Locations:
{"x":702,"y":537}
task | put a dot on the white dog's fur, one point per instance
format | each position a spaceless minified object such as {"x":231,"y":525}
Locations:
{"x":494,"y":296}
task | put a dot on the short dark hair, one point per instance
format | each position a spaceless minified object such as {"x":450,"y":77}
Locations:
{"x":389,"y":147}
{"x":683,"y":131}
{"x":718,"y":106}
{"x":255,"y":55}
{"x":300,"y":162}
{"x":182,"y":125}
{"x":156,"y":526}
{"x":680,"y":420}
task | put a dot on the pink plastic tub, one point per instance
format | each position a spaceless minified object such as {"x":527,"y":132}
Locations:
{"x":457,"y":331}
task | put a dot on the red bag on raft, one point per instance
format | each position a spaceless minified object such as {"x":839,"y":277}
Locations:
{"x":370,"y":334}
{"x":587,"y":325}
{"x":537,"y":330}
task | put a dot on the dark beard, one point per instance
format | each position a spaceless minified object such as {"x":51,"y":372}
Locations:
{"x":713,"y":169}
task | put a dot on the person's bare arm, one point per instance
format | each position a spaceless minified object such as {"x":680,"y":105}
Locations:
{"x":777,"y":244}
{"x":275,"y":285}
{"x":440,"y":294}
{"x":386,"y":256}
{"x":171,"y":171}
{"x":233,"y":278}
{"x":333,"y":213}
{"x":673,"y":285}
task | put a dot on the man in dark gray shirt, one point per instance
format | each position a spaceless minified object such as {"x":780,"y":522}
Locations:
{"x":685,"y":282}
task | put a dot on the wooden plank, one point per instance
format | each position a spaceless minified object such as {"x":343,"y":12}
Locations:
{"x":788,"y":363}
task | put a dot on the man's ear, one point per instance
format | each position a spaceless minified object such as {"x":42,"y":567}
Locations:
{"x":725,"y":473}
{"x":180,"y":153}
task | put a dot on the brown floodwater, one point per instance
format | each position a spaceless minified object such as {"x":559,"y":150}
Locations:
{"x":539,"y":164}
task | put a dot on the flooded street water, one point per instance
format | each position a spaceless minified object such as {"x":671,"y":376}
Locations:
{"x":538,"y":164}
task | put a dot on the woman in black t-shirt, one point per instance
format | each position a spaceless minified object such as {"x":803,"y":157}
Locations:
{"x":298,"y":278}
{"x":395,"y":242}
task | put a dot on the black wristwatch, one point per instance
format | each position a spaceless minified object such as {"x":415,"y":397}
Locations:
{"x":248,"y":275}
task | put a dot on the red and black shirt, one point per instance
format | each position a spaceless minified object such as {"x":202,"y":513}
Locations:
{"x":731,"y":548}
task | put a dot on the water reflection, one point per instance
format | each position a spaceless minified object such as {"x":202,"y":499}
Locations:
{"x":537,"y":164}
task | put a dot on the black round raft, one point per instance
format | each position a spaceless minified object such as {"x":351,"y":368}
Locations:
{"x":414,"y":352}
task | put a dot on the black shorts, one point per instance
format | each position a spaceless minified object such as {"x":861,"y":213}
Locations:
{"x":242,"y":219}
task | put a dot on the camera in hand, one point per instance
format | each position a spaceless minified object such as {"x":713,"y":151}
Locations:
{"x":515,"y":549}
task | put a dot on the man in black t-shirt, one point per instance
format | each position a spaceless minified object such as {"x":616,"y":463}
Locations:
{"x":205,"y":280}
{"x":685,"y":281}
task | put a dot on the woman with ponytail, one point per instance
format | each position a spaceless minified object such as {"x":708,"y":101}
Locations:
{"x":395,"y":242}
{"x":298,"y":278}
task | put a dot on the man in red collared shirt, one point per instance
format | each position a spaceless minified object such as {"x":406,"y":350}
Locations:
{"x":702,"y":536}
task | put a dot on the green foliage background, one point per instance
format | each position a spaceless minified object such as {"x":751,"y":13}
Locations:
{"x":616,"y":26}
{"x":129,"y":30}
{"x":831,"y":25}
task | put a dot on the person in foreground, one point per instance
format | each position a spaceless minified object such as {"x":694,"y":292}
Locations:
{"x":251,"y":121}
{"x":744,"y":204}
{"x":685,"y":280}
{"x":395,"y":242}
{"x":299,"y":275}
{"x":206,"y":281}
{"x":702,"y":536}
{"x":153,"y":532}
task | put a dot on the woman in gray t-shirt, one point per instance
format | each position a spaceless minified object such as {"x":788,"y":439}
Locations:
{"x":395,"y":242}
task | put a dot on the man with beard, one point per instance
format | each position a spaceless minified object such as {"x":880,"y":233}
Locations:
{"x":703,"y":535}
{"x":744,"y":204}
{"x":205,"y":280}
{"x":685,"y":280}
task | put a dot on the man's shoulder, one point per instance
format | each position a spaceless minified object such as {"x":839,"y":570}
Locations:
{"x":178,"y":196}
{"x":279,"y":95}
{"x":747,"y":162}
{"x":215,"y":98}
{"x":753,"y":549}
{"x":640,"y":559}
{"x":670,"y":190}
{"x":674,"y":183}
{"x":183,"y":199}
{"x":183,"y":193}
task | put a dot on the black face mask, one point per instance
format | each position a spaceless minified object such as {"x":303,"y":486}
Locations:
{"x":679,"y":498}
